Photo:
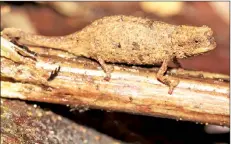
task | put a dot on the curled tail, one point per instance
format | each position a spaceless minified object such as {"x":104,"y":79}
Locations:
{"x":29,"y":39}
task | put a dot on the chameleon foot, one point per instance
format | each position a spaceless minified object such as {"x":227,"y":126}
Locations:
{"x":107,"y":69}
{"x":54,"y":74}
{"x":172,"y":83}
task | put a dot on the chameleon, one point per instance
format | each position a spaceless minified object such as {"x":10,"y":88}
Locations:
{"x":127,"y":39}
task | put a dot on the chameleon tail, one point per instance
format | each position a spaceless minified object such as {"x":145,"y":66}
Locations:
{"x":29,"y":39}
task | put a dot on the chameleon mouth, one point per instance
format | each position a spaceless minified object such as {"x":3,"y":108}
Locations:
{"x":211,"y":46}
{"x":201,"y":50}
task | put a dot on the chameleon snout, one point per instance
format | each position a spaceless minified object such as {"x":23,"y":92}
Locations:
{"x":11,"y":33}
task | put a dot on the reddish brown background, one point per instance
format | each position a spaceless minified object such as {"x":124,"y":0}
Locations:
{"x":48,"y":22}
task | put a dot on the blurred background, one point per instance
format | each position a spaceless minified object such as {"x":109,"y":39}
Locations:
{"x":61,"y":18}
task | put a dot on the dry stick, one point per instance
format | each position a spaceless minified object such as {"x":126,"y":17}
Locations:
{"x":200,"y":96}
{"x":133,"y":90}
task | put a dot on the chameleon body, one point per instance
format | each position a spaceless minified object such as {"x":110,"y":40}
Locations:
{"x":127,"y":39}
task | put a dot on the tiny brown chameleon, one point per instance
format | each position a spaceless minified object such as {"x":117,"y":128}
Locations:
{"x":127,"y":39}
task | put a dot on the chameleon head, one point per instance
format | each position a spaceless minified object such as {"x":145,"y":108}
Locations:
{"x":11,"y":33}
{"x":190,"y":41}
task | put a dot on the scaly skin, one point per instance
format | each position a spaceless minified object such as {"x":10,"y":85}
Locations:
{"x":127,"y":39}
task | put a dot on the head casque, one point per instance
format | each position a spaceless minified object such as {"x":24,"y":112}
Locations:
{"x":191,"y":41}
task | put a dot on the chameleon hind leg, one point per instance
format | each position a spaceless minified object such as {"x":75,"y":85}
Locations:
{"x":106,"y":68}
{"x":172,"y":83}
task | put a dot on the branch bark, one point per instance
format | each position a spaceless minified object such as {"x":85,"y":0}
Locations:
{"x":200,"y":97}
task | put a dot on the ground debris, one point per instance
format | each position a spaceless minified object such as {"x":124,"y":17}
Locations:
{"x":24,"y":123}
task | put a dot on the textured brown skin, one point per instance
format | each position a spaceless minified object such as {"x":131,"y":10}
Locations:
{"x":128,"y":39}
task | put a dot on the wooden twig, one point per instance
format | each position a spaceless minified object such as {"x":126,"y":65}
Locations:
{"x":200,"y":97}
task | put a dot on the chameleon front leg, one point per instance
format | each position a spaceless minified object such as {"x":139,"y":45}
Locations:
{"x":172,"y":83}
{"x":107,"y":69}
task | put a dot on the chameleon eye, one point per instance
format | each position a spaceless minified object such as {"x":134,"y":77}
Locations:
{"x":196,"y":40}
